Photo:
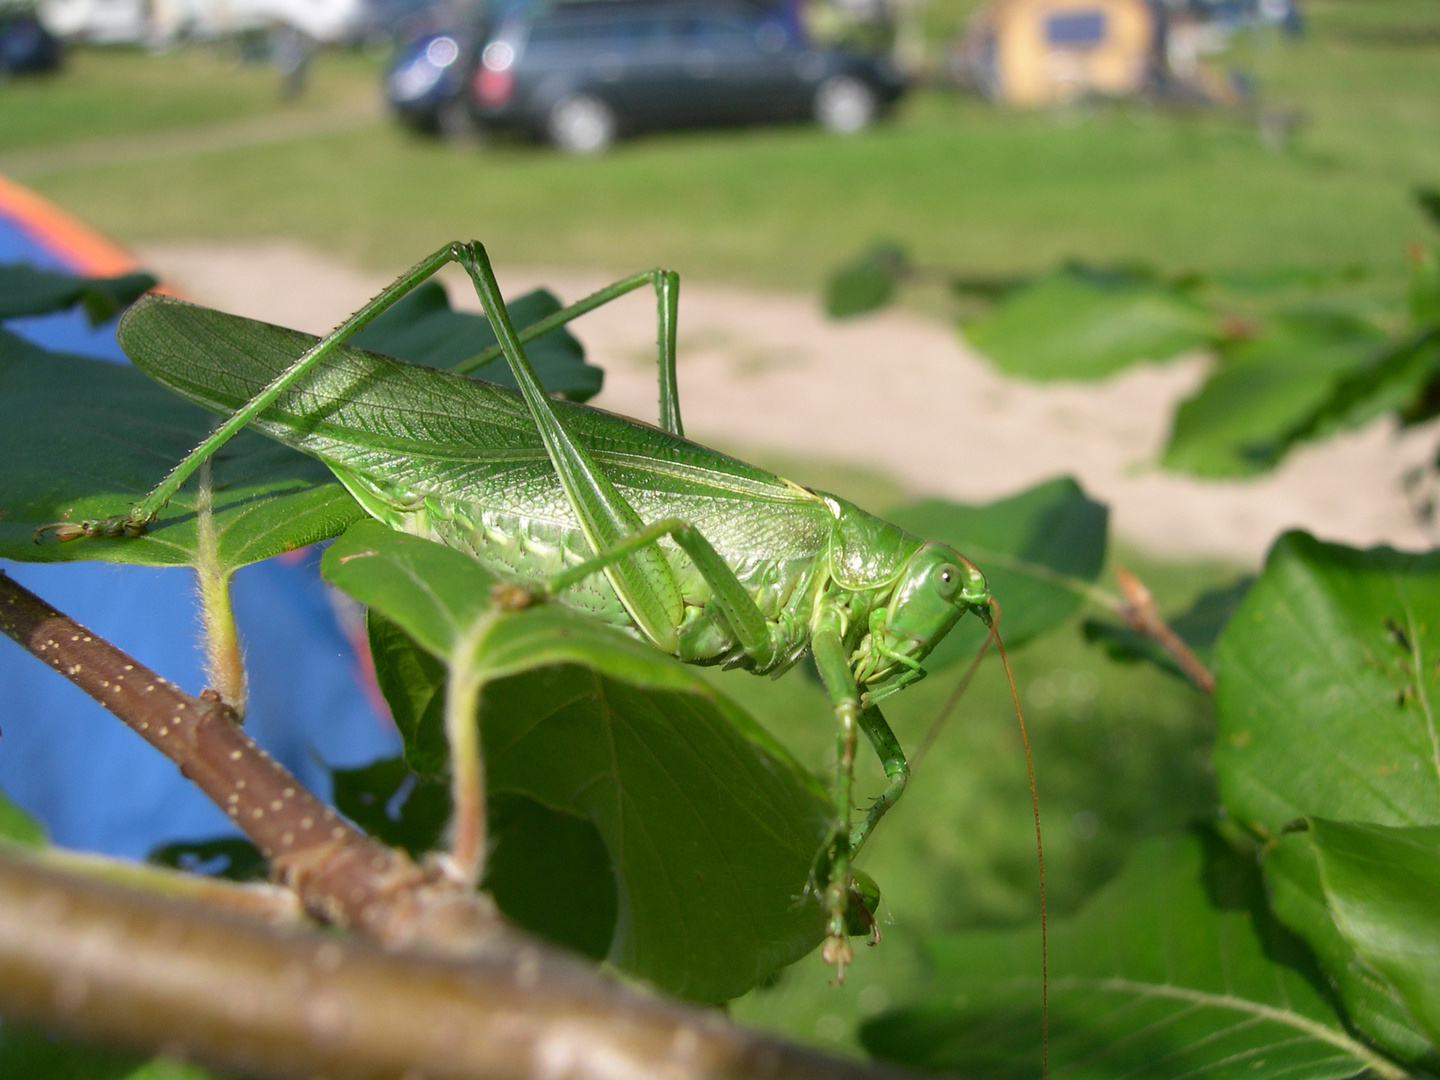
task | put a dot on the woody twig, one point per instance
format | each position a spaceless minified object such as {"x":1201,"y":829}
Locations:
{"x":1140,"y":611}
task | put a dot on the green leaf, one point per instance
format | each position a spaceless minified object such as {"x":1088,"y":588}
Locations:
{"x":432,"y":592}
{"x":413,"y":683}
{"x":548,"y":870}
{"x":1077,"y":325}
{"x":1198,"y":626}
{"x":1292,"y":877}
{"x":86,"y":439}
{"x":1395,"y":378}
{"x":1241,"y":421}
{"x":24,"y":290}
{"x":422,"y":329}
{"x":1383,"y":887}
{"x":19,"y":827}
{"x":1325,"y":689}
{"x":711,"y":827}
{"x":867,"y":283}
{"x":1174,"y":969}
{"x":1038,"y":550}
{"x":230,"y":857}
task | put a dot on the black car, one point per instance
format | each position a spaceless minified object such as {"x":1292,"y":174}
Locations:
{"x":581,"y":74}
{"x":26,"y":47}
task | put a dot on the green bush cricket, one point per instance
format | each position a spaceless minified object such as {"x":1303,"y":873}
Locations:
{"x":709,"y":559}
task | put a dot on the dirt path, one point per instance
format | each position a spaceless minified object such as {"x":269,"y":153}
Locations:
{"x":896,"y":393}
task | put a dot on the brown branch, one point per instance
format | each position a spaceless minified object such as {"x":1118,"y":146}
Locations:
{"x":1140,"y":611}
{"x":340,"y":874}
{"x":113,"y":964}
{"x":251,"y":899}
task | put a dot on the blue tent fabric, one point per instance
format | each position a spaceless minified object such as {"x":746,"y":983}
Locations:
{"x":92,"y":782}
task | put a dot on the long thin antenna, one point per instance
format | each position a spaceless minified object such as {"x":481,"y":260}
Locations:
{"x":1039,"y":851}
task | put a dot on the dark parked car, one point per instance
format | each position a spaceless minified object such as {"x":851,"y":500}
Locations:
{"x":581,"y":74}
{"x":26,"y":47}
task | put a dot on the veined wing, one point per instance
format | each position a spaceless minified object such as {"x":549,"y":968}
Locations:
{"x":437,"y":434}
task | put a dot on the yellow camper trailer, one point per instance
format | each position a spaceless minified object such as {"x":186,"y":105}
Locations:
{"x":1039,"y":52}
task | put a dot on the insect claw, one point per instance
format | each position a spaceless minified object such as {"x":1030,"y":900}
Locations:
{"x":836,"y":951}
{"x":63,"y":530}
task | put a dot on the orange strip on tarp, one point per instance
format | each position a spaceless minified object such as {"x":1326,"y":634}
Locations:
{"x":89,"y":253}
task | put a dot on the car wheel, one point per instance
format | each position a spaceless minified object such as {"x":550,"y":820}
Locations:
{"x":845,"y":104}
{"x":581,"y":124}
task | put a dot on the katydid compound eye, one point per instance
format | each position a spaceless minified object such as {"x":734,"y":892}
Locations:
{"x":947,"y":581}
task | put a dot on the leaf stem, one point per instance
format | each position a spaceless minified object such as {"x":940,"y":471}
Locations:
{"x":1080,"y":587}
{"x":224,"y":661}
{"x":1140,"y":611}
{"x":467,"y":767}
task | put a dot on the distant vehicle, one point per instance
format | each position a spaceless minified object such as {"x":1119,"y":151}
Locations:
{"x":428,"y":84}
{"x":583,"y":74}
{"x":26,"y":47}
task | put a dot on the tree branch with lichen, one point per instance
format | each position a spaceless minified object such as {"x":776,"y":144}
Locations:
{"x":126,"y":967}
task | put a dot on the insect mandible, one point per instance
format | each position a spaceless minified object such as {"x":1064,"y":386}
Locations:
{"x":707,"y":558}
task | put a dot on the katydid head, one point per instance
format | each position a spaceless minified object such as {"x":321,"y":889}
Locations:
{"x":937,"y":586}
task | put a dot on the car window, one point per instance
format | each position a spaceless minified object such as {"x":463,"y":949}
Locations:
{"x":621,"y":32}
{"x":716,"y":30}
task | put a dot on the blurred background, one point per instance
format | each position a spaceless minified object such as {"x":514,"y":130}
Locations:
{"x":285,"y":158}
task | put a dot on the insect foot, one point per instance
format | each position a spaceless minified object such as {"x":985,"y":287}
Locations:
{"x":836,"y":951}
{"x":117,"y":526}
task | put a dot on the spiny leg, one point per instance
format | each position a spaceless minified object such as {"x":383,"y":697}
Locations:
{"x":667,"y":300}
{"x":142,"y":516}
{"x":643,"y":579}
{"x":828,"y":648}
{"x":665,"y":282}
{"x":897,"y":772}
{"x":746,"y":620}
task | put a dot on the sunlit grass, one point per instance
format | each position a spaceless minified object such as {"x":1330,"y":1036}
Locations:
{"x":108,"y":93}
{"x":960,"y":182}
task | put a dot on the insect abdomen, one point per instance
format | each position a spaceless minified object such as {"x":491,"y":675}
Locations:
{"x":529,"y":549}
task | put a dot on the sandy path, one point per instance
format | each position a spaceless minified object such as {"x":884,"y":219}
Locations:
{"x":894,"y":392}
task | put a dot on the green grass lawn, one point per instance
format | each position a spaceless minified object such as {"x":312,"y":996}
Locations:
{"x":959,"y":182}
{"x":112,"y":93}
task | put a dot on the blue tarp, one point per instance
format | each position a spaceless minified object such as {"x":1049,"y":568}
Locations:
{"x":95,"y":784}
